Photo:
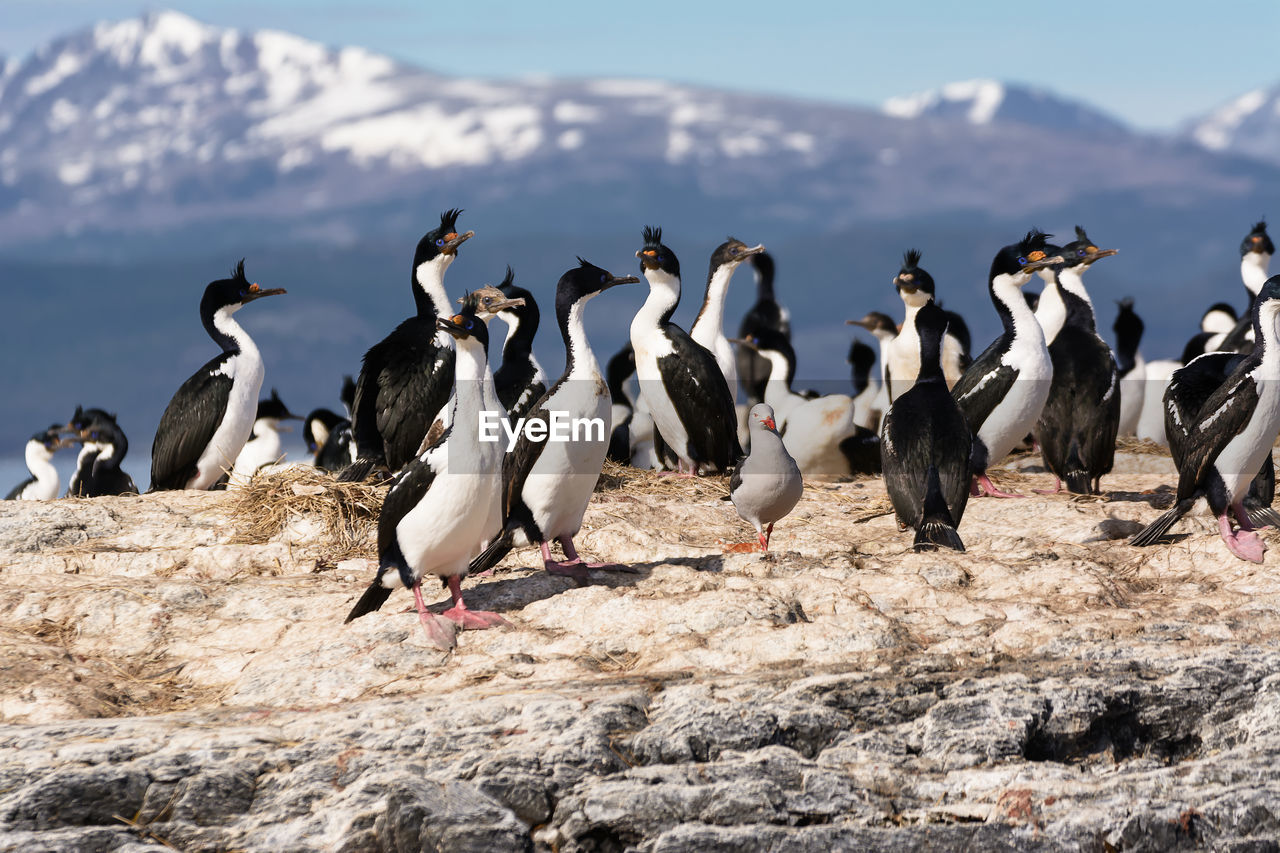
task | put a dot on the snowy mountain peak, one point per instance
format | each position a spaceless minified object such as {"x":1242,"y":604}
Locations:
{"x":977,"y":100}
{"x":1248,"y":124}
{"x":990,"y":102}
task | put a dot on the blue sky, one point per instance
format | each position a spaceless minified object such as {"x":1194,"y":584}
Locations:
{"x":1152,"y":64}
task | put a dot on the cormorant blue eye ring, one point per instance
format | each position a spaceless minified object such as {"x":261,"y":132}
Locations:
{"x":1022,"y":261}
{"x":439,"y":241}
{"x":1080,"y":252}
{"x":734,"y":250}
{"x":470,"y":324}
{"x":603,"y":278}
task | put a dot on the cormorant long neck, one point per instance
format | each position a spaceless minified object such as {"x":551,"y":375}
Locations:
{"x":664,"y":296}
{"x":226,"y":332}
{"x":580,"y":361}
{"x":777,"y":391}
{"x":429,"y":294}
{"x":1051,"y":309}
{"x":520,"y":331}
{"x":1015,"y":314}
{"x":1266,"y":336}
{"x":470,"y":368}
{"x":930,"y":356}
{"x":710,"y":320}
{"x":40,"y":464}
{"x":764,"y":285}
{"x":1079,"y":306}
{"x":1253,"y":270}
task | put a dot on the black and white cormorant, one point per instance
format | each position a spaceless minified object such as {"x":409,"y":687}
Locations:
{"x":884,"y":330}
{"x":437,"y":514}
{"x":708,"y":327}
{"x":818,"y":432}
{"x":328,"y":438}
{"x":44,"y":482}
{"x":265,"y":445}
{"x":925,"y":445}
{"x":1077,"y":428}
{"x":1215,"y":326}
{"x":1004,"y":390}
{"x":210,"y":417}
{"x":1128,"y":327}
{"x":103,"y":447}
{"x":686,"y":392}
{"x":1185,"y":396}
{"x":548,"y":483}
{"x":902,"y":362}
{"x":1256,"y":250}
{"x":520,"y":380}
{"x":1231,"y":436}
{"x":407,"y":377}
{"x":767,"y":484}
{"x":768,"y":314}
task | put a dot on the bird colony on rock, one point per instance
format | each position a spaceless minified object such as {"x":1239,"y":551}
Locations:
{"x":933,"y":420}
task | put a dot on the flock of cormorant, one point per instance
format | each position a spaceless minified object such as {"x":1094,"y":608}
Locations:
{"x":933,"y":423}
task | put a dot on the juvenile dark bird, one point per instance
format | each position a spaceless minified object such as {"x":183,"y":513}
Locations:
{"x":103,"y":447}
{"x":1004,"y":390}
{"x":1231,"y":436}
{"x":407,"y":377}
{"x":925,"y":445}
{"x":686,"y":392}
{"x":211,"y":416}
{"x":44,"y":482}
{"x":1077,"y":427}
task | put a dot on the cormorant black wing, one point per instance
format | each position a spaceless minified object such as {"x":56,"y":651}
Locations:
{"x":188,"y":424}
{"x":702,"y":400}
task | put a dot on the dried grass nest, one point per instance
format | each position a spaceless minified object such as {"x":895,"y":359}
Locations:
{"x":347,"y":512}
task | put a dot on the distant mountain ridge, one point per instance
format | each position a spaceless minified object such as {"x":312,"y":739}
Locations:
{"x":1248,"y":125}
{"x":162,"y":122}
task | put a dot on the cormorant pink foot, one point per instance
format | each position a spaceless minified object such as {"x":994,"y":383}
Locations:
{"x":464,"y":618}
{"x":1245,"y":544}
{"x":989,"y":488}
{"x":474,"y":619}
{"x":441,"y":632}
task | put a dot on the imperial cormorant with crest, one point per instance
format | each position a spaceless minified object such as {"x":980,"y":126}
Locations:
{"x":211,"y":416}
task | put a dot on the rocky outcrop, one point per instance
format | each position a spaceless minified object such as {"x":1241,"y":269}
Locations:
{"x":168,"y":680}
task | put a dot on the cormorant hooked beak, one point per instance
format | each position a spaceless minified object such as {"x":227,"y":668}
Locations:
{"x":256,"y":292}
{"x":751,"y":250}
{"x":1040,"y":263}
{"x":749,"y":343}
{"x":453,"y":241}
{"x":619,"y":279}
{"x":1092,"y":256}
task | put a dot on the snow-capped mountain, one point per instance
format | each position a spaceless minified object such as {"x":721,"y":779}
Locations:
{"x":163,"y":123}
{"x":982,"y":102}
{"x":1249,"y":125}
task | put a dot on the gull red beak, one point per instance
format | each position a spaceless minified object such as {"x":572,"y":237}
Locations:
{"x":770,"y":424}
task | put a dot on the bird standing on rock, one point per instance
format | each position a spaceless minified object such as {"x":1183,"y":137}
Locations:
{"x":548,"y":483}
{"x":103,"y":446}
{"x":43,"y":484}
{"x":925,"y":445}
{"x":405,"y":379}
{"x":681,"y":382}
{"x":209,"y":419}
{"x":1003,"y":392}
{"x":767,"y":484}
{"x":1231,"y":436}
{"x":437,"y":513}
